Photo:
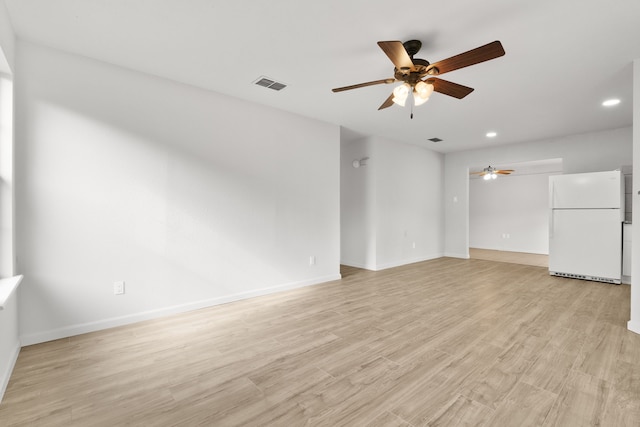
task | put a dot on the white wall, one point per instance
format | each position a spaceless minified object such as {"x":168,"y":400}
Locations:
{"x":408,"y":203}
{"x":590,"y":152}
{"x":7,"y":258}
{"x":7,"y":41}
{"x":510,"y":213}
{"x":190,"y":197}
{"x":391,"y":208}
{"x":9,"y":341}
{"x":634,"y":322}
{"x":9,"y":337}
{"x":357,"y":205}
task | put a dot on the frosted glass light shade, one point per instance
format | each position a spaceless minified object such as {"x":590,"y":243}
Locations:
{"x":423,"y":90}
{"x":400,"y":94}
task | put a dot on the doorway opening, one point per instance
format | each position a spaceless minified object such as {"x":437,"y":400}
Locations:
{"x":508,"y":215}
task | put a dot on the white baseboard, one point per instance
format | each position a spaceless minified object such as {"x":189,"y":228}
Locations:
{"x":406,"y":262}
{"x":6,"y":373}
{"x":68,"y":331}
{"x":633,"y":326}
{"x":456,"y":255}
{"x":378,"y":267}
{"x":358,"y":265}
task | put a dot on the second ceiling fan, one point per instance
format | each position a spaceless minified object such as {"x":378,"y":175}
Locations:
{"x":417,"y":75}
{"x":492,"y":173}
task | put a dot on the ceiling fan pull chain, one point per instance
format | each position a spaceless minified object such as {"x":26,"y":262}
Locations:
{"x":412,"y":111}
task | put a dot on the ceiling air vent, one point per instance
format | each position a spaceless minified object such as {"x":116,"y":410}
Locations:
{"x":270,"y":83}
{"x":435,"y":139}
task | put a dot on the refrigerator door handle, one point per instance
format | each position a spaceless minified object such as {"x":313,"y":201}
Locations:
{"x":551,"y":227}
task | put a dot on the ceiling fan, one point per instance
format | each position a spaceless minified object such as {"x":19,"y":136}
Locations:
{"x":492,"y":173}
{"x":417,"y":74}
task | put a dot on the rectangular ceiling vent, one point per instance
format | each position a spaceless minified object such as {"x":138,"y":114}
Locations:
{"x":435,"y":139}
{"x":270,"y":83}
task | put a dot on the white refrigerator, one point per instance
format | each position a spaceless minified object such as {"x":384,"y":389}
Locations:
{"x":585,"y":226}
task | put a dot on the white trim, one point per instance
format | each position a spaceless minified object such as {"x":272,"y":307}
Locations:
{"x":113,"y":322}
{"x":456,"y":255}
{"x":406,"y":262}
{"x":6,"y":375}
{"x":7,"y":287}
{"x":633,"y":326}
{"x":375,"y":267}
{"x":371,"y":267}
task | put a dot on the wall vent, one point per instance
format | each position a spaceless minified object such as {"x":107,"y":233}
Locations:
{"x":435,"y":139}
{"x":270,"y":83}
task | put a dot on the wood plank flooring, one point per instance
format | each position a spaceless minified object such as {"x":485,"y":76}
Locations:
{"x":447,"y":342}
{"x":539,"y":260}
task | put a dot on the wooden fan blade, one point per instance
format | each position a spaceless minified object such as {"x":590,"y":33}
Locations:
{"x":475,"y":56}
{"x":375,"y":82}
{"x":387,"y":103}
{"x":504,"y":171}
{"x":448,"y":88}
{"x":478,"y":173}
{"x":397,"y":54}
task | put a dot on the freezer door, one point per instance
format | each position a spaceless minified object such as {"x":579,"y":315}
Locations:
{"x":586,"y":242}
{"x":595,"y":190}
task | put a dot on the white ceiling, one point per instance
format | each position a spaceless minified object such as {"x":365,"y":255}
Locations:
{"x":563,"y":58}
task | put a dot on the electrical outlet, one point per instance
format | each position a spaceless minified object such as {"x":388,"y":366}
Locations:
{"x":414,"y":245}
{"x":312,"y":260}
{"x":118,"y":288}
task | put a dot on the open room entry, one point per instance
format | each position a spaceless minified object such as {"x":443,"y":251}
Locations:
{"x":509,"y":213}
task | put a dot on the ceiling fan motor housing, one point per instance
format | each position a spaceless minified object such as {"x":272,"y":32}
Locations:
{"x":412,"y":47}
{"x":420,"y":67}
{"x":418,"y":73}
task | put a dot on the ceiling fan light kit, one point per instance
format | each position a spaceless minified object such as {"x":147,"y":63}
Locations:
{"x":417,"y":74}
{"x":400,"y":94}
{"x":490,"y":173}
{"x":421,"y":92}
{"x":489,"y":176}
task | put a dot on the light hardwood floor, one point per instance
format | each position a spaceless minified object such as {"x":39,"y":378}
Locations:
{"x":447,"y":342}
{"x":513,"y":257}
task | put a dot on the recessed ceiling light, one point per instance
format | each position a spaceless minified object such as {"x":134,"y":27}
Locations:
{"x":491,"y":134}
{"x":611,"y":102}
